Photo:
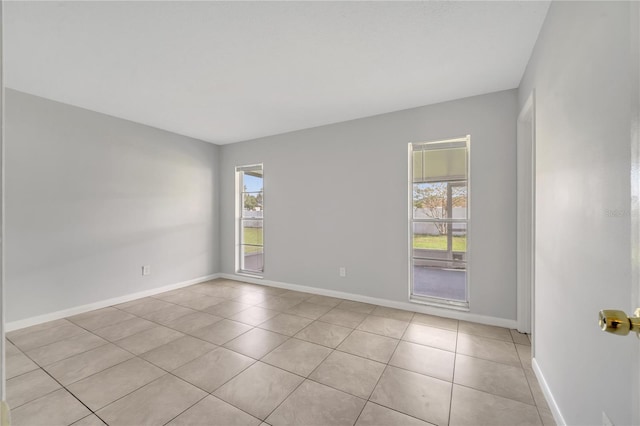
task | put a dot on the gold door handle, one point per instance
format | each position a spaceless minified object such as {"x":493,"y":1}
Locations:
{"x":617,"y":322}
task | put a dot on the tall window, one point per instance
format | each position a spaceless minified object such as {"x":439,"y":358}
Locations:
{"x":439,"y":198}
{"x":250,"y":219}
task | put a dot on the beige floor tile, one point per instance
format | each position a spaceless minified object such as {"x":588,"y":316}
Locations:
{"x":296,"y":295}
{"x":276,"y":303}
{"x":343,"y":317}
{"x":475,"y":408}
{"x":384,"y":326}
{"x":130,"y":303}
{"x":520,"y":338}
{"x":94,"y":320}
{"x":538,"y":396}
{"x":227,"y":309}
{"x":308,"y":310}
{"x":349,"y":373}
{"x":398,"y":314}
{"x":425,"y":360}
{"x":369,"y":345}
{"x":252,"y":298}
{"x":313,"y":404}
{"x":524,"y":353}
{"x":154,"y":404}
{"x":221,"y":332}
{"x":435,"y":321}
{"x":275,"y":291}
{"x":15,"y":334}
{"x":297,"y":356}
{"x":144,"y":306}
{"x":37,"y":336}
{"x":377,"y":415}
{"x":286,"y":324}
{"x":212,"y":411}
{"x":431,"y":336}
{"x":324,"y":300}
{"x":178,"y":352}
{"x":124,"y":329}
{"x":414,"y":394}
{"x":148,"y":339}
{"x":17,"y":363}
{"x":492,"y":377}
{"x":83,"y":365}
{"x":45,"y":355}
{"x":202,"y":302}
{"x":168,"y":314}
{"x":362,"y":308}
{"x":105,"y":387}
{"x":91,"y":420}
{"x":256,"y":343}
{"x":485,"y":331}
{"x":221,"y":292}
{"x":254,"y":315}
{"x":29,"y":386}
{"x":191,"y":322}
{"x":490,"y":349}
{"x":546,"y":417}
{"x":45,"y":411}
{"x":178,"y":296}
{"x":214,"y":369}
{"x":324,"y":334}
{"x":259,"y":389}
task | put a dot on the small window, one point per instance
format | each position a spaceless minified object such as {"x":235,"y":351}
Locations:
{"x":439,"y":203}
{"x":250,"y":219}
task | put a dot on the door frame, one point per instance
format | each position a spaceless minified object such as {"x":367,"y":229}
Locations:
{"x":635,"y":187}
{"x":525,"y":234}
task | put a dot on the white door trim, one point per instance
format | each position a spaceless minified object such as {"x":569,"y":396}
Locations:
{"x":2,"y":233}
{"x":635,"y":188}
{"x":525,"y":149}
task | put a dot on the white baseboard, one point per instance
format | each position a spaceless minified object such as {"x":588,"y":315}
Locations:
{"x":407,"y":306}
{"x":27,"y":322}
{"x":465,"y":316}
{"x":555,"y":410}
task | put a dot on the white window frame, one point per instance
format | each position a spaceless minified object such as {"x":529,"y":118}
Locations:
{"x":436,"y":301}
{"x":239,"y":194}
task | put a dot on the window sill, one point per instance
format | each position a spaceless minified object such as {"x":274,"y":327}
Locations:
{"x":249,"y":274}
{"x":439,"y":303}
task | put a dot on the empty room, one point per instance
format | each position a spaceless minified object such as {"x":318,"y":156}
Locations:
{"x":320,"y":213}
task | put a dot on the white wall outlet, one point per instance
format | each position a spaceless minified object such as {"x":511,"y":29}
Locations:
{"x":342,"y":271}
{"x":146,"y":270}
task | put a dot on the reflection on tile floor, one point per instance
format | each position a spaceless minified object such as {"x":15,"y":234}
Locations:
{"x":230,"y":353}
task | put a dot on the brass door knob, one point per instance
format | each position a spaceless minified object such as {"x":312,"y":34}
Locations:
{"x":617,"y":322}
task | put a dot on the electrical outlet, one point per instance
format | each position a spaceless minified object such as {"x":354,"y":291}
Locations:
{"x":342,"y":271}
{"x":146,"y":270}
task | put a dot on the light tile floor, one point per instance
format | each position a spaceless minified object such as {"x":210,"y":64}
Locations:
{"x":231,"y":353}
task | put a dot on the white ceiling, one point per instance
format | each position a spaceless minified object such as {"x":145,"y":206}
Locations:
{"x":230,"y":71}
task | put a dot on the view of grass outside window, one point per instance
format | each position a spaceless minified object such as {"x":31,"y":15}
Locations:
{"x":252,"y":237}
{"x":439,"y":204}
{"x":438,"y":242}
{"x":251,"y":219}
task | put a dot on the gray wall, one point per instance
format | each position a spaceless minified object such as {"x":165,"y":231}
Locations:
{"x":580,"y":70}
{"x":350,"y":181}
{"x":91,"y":198}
